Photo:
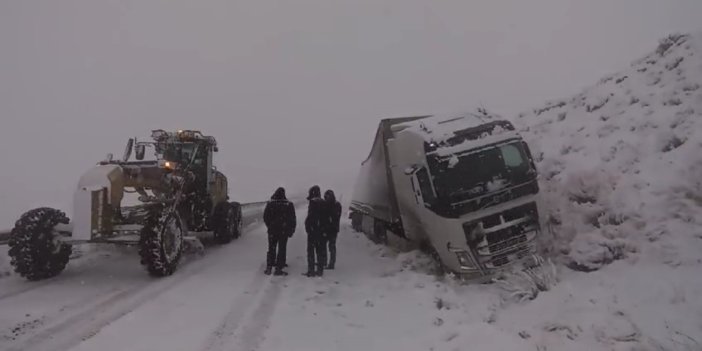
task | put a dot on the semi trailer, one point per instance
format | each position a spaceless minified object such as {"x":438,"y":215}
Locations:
{"x":463,"y":187}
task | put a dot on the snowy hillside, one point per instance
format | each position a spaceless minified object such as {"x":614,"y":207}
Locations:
{"x":622,"y":162}
{"x":621,"y":167}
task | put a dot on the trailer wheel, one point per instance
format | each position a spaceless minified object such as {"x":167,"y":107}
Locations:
{"x":35,"y":251}
{"x":161,"y":242}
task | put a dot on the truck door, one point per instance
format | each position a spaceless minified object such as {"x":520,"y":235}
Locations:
{"x":423,"y":190}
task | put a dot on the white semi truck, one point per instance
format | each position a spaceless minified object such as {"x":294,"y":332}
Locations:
{"x":463,"y":187}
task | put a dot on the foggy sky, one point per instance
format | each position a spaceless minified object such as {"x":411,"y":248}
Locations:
{"x":292,"y":90}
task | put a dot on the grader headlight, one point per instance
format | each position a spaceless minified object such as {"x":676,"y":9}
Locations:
{"x":169,"y":165}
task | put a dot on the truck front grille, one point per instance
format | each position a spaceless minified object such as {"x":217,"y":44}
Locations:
{"x":501,"y":260}
{"x":507,"y":243}
{"x":507,"y":234}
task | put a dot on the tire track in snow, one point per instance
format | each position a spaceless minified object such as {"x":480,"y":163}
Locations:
{"x":252,"y":334}
{"x":248,"y":220}
{"x":87,"y":322}
{"x":262,"y":305}
{"x":72,"y":275}
{"x":241,"y":304}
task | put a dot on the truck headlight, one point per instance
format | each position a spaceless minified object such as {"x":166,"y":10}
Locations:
{"x":464,"y":259}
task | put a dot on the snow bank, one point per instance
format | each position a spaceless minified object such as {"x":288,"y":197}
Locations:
{"x":621,"y":164}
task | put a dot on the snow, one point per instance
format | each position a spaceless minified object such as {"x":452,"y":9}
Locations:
{"x":477,"y":143}
{"x":621,"y":176}
{"x":440,"y":127}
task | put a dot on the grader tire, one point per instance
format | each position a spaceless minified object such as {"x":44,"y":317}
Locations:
{"x":161,"y":242}
{"x":34,"y":251}
{"x":238,"y":227}
{"x":224,"y":222}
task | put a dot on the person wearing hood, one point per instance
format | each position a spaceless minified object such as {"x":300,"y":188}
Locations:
{"x":315,"y":224}
{"x":332,"y":229}
{"x":279,"y":217}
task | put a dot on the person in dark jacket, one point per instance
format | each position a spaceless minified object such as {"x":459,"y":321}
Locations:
{"x":279,"y":217}
{"x":315,"y":225}
{"x":332,"y":229}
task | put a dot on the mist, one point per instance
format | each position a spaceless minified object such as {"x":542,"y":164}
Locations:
{"x":293,"y":91}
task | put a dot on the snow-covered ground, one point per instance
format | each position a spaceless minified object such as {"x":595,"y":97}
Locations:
{"x":621,"y":175}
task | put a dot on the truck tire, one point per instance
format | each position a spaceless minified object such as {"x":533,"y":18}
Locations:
{"x":34,"y":252}
{"x":439,"y":268}
{"x":161,"y":241}
{"x":356,"y":220}
{"x":380,"y":233}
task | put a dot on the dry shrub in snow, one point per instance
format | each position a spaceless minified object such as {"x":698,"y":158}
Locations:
{"x":524,"y":285}
{"x":668,"y":42}
{"x":590,"y":186}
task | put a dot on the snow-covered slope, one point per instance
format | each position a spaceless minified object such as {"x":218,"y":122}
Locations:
{"x":621,"y":162}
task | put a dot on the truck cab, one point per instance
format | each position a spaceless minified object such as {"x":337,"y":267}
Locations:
{"x":464,"y":186}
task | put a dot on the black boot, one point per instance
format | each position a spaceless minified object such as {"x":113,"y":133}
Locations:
{"x":280,"y":272}
{"x":310,"y":274}
{"x":268,"y":270}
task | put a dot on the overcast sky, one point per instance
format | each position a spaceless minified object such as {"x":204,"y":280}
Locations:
{"x":292,"y":90}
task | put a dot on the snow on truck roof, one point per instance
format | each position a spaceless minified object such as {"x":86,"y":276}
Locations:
{"x":447,"y":134}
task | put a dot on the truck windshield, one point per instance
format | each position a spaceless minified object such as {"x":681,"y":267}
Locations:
{"x":460,"y":178}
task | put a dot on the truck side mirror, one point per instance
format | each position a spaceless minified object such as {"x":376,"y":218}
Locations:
{"x":139,"y":150}
{"x":128,"y":150}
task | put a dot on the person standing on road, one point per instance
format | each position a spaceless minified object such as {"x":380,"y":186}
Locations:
{"x":279,"y":217}
{"x":315,"y":225}
{"x":332,"y":229}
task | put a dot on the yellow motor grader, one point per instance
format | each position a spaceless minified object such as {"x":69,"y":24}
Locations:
{"x":178,"y":193}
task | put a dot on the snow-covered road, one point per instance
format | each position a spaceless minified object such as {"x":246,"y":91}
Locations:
{"x":222,"y":301}
{"x":376,"y":299}
{"x":106,"y":298}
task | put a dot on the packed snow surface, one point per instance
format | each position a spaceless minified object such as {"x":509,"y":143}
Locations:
{"x":621,"y":171}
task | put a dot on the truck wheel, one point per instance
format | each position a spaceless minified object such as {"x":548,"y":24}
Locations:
{"x":356,"y":219}
{"x":439,"y":268}
{"x":35,"y":251}
{"x":161,"y":242}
